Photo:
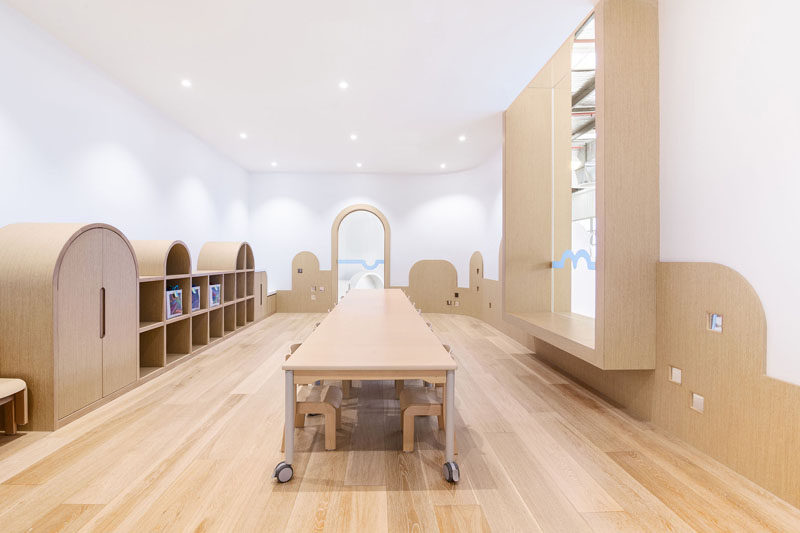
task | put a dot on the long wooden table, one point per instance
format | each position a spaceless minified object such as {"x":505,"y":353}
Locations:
{"x":371,"y":335}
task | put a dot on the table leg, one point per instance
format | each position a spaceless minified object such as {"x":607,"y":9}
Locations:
{"x":283,"y":471}
{"x":450,"y":469}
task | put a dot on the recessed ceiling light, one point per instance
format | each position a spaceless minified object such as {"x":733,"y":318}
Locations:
{"x":243,"y":135}
{"x":343,"y":85}
{"x":186,"y":83}
{"x":443,"y":165}
{"x":273,"y":164}
{"x":354,"y":136}
{"x":462,"y":138}
{"x":359,"y":165}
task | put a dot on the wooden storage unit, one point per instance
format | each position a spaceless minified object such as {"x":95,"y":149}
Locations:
{"x":68,"y":316}
{"x":537,"y":196}
{"x":164,"y":264}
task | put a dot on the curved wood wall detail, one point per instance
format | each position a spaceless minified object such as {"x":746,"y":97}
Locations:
{"x":225,"y":256}
{"x":162,"y":258}
{"x":312,"y":288}
{"x":387,"y":245}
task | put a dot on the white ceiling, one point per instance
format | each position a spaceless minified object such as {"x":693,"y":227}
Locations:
{"x":421,"y":72}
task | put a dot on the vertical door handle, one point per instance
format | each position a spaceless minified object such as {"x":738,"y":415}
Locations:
{"x":260,"y":294}
{"x":102,"y":312}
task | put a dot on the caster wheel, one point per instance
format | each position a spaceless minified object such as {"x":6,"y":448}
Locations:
{"x":450,"y":472}
{"x":283,"y":472}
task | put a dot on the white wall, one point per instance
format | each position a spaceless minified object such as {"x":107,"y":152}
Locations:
{"x":730,"y":183}
{"x":75,"y":146}
{"x":446,"y":216}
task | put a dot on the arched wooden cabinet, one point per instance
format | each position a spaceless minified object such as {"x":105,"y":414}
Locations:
{"x":68,"y":308}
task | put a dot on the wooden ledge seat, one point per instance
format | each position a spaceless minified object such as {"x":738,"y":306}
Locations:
{"x":14,"y":399}
{"x":418,"y":401}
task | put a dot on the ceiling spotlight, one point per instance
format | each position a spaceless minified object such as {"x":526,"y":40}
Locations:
{"x":462,"y":138}
{"x":186,"y":83}
{"x":273,"y":164}
{"x":443,"y":165}
{"x":359,"y":165}
{"x":354,"y":136}
{"x":343,"y":85}
{"x":243,"y":135}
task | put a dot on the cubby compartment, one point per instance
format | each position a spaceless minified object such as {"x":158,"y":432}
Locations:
{"x":251,"y":310}
{"x":230,"y":318}
{"x":178,"y":260}
{"x":179,"y":340}
{"x":184,"y":284}
{"x":151,"y":351}
{"x":241,"y":314}
{"x":240,"y":285}
{"x":241,"y":260}
{"x":199,"y":331}
{"x":229,"y":288}
{"x":251,"y":278}
{"x":250,"y":262}
{"x":216,"y":279}
{"x":202,"y":282}
{"x":151,"y":307}
{"x":215,"y":324}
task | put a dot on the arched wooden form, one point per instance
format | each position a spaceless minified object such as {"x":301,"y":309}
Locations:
{"x":162,"y":258}
{"x":387,"y":238}
{"x":225,"y":256}
{"x":30,"y":299}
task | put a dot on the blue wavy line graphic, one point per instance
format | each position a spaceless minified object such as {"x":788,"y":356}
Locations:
{"x":361,"y":262}
{"x":574,"y":257}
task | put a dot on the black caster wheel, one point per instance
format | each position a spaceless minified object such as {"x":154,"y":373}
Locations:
{"x":283,"y":472}
{"x":450,"y":471}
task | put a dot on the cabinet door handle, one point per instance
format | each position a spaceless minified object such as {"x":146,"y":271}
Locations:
{"x":102,"y":312}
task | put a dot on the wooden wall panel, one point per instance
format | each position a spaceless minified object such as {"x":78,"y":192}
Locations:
{"x":311,"y":289}
{"x":627,"y":175}
{"x":527,"y":181}
{"x":750,"y":422}
{"x":432,"y":284}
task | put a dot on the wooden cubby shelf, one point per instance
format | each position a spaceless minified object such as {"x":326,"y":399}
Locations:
{"x":165,"y":264}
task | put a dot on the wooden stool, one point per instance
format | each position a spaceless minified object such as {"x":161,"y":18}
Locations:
{"x":399,"y":383}
{"x":419,"y":401}
{"x":14,"y":399}
{"x":323,"y":400}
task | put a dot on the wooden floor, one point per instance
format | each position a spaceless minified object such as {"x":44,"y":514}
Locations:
{"x":194,"y":449}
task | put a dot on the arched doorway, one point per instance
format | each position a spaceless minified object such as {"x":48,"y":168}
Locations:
{"x":360,"y":245}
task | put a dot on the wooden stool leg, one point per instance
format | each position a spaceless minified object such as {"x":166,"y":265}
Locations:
{"x":398,"y":388}
{"x":21,"y":407}
{"x":330,"y":429}
{"x":346,"y":384}
{"x":9,"y":422}
{"x":339,"y":418}
{"x":441,"y":420}
{"x":408,"y":431}
{"x":299,"y":421}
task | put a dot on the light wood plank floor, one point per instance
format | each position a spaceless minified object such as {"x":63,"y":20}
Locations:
{"x":194,"y":449}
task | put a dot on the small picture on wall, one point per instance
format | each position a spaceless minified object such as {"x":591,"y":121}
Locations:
{"x":214,"y":295}
{"x":715,"y":322}
{"x":174,"y":303}
{"x":195,"y":298}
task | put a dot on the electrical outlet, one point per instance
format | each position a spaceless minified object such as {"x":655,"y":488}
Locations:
{"x":299,"y":270}
{"x":457,"y":303}
{"x":490,"y":305}
{"x":448,"y":302}
{"x":456,"y":294}
{"x":698,"y":402}
{"x":321,"y":288}
{"x":313,"y":296}
{"x":675,"y":375}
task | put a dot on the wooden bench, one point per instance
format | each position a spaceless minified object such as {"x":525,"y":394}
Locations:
{"x":14,"y":399}
{"x":325,"y":400}
{"x":419,"y":401}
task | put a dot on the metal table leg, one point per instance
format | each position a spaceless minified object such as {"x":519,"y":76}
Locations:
{"x":283,"y":471}
{"x":450,"y":468}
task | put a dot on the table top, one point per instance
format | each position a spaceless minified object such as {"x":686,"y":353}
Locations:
{"x":372,"y":329}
